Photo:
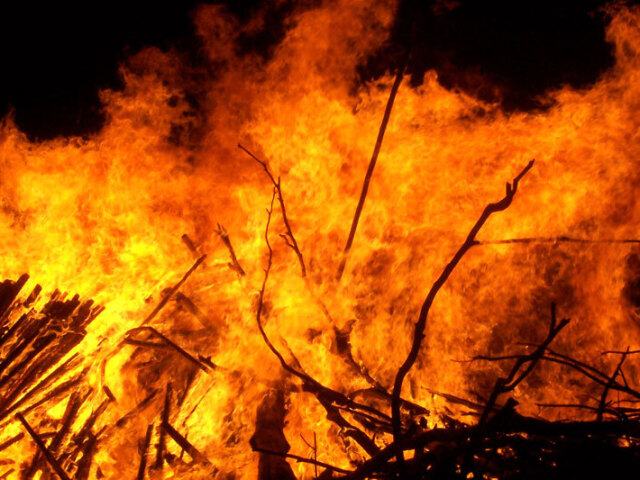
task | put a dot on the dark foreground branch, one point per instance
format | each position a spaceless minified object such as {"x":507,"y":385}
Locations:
{"x":420,"y":325}
{"x":516,"y":376}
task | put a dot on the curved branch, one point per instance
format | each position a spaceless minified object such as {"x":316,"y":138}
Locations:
{"x":420,"y":325}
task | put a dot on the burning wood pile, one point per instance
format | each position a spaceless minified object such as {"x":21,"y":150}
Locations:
{"x":353,"y":330}
{"x":40,"y":371}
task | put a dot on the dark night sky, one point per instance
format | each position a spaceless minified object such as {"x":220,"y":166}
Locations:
{"x":55,"y":58}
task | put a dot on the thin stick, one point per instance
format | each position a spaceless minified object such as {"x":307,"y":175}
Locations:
{"x":161,"y":446}
{"x":515,"y":377}
{"x":372,"y":165}
{"x":175,"y":346}
{"x":603,"y":398}
{"x":421,"y":324}
{"x":11,"y":441}
{"x":300,"y":459}
{"x":224,"y":236}
{"x":186,"y":445}
{"x":561,"y":239}
{"x":190,"y":245}
{"x":315,"y":454}
{"x":173,"y":290}
{"x":43,"y":448}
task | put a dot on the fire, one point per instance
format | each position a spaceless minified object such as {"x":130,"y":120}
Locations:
{"x":103,"y":217}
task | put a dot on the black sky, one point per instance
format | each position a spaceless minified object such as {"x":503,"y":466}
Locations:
{"x":55,"y":58}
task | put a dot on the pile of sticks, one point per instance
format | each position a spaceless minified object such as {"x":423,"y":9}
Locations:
{"x":39,"y":370}
{"x":38,"y":367}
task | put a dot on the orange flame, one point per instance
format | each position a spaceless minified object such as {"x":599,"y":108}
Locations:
{"x":103,"y":216}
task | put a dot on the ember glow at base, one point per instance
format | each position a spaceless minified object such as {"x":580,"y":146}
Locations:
{"x":221,"y":337}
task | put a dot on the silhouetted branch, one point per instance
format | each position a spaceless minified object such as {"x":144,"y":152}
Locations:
{"x":186,"y":445}
{"x":372,"y":164}
{"x":607,"y":387}
{"x":420,"y":325}
{"x":560,"y":239}
{"x":325,"y":395}
{"x":143,"y":455}
{"x":302,"y":460}
{"x":171,"y":344}
{"x":515,"y":376}
{"x":160,"y":447}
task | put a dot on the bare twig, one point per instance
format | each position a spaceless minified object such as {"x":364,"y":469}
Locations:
{"x":515,"y":376}
{"x":292,"y":243}
{"x":289,"y":238}
{"x":420,"y":325}
{"x":426,"y":306}
{"x":605,"y":392}
{"x":173,"y":290}
{"x":300,"y":459}
{"x":325,"y":395}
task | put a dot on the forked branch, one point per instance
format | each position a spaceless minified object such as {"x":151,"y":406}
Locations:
{"x":418,"y":335}
{"x":289,"y":238}
{"x":515,"y":377}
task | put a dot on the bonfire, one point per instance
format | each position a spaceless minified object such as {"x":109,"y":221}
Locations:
{"x":292,"y":278}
